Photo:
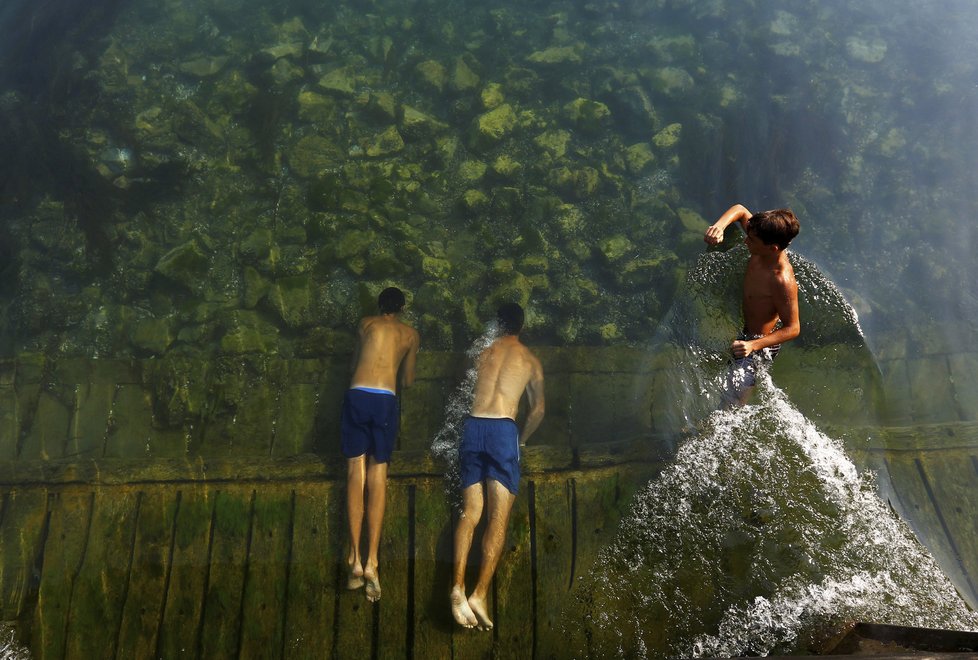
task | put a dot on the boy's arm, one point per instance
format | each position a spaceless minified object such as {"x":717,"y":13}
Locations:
{"x":534,"y":397}
{"x":410,"y":360}
{"x":736,"y":213}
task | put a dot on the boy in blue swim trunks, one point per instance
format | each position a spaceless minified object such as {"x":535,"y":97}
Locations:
{"x":489,"y":456}
{"x":368,"y":427}
{"x":770,"y":302}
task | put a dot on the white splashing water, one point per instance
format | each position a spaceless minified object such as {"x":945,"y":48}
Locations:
{"x":761,"y":537}
{"x":445,"y":444}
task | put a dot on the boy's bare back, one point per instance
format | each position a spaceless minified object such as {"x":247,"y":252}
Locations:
{"x":505,"y":369}
{"x":384,"y":343}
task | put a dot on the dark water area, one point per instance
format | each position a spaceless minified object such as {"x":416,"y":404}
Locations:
{"x":232,"y":182}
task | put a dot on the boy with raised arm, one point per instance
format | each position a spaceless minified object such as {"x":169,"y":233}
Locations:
{"x":489,"y":457}
{"x":368,"y":427}
{"x":770,"y":299}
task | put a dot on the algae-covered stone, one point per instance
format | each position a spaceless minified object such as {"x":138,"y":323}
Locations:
{"x":151,"y":335}
{"x":506,"y":166}
{"x":507,"y":199}
{"x":893,"y":142}
{"x":258,"y":244}
{"x":341,"y":81}
{"x":609,"y":332}
{"x":534,"y":264}
{"x":435,"y":267}
{"x":553,"y":142}
{"x":436,"y":330}
{"x":382,"y":105}
{"x":668,"y":137}
{"x":512,"y":287}
{"x":246,"y":332}
{"x":671,"y":81}
{"x":492,"y":96}
{"x":463,"y":77}
{"x":615,"y":247}
{"x":493,"y":126}
{"x":316,"y":107}
{"x":582,"y":183}
{"x":638,"y":157}
{"x":203,"y":67}
{"x":570,"y":219}
{"x":692,"y":221}
{"x":472,"y":170}
{"x":474,"y":200}
{"x":292,"y":298}
{"x":313,"y":155}
{"x":284,"y":72}
{"x":642,"y":273}
{"x":386,"y":143}
{"x":870,"y":51}
{"x":417,"y":124}
{"x":587,"y":115}
{"x":352,"y":243}
{"x":556,"y":55}
{"x":254,"y":287}
{"x":433,"y":73}
{"x":290,"y":49}
{"x":185,"y":264}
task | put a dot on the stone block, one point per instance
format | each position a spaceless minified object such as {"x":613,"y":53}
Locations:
{"x":48,"y":433}
{"x":609,"y":407}
{"x":896,"y":391}
{"x":932,"y":397}
{"x":964,"y":377}
{"x":90,"y":420}
{"x":296,"y":420}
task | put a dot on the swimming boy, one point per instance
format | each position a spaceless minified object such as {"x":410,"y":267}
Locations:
{"x":489,"y":456}
{"x":368,"y":427}
{"x":770,"y":299}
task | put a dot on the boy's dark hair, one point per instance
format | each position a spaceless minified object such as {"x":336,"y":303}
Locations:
{"x":390,"y":300}
{"x":510,"y":318}
{"x":775,"y":227}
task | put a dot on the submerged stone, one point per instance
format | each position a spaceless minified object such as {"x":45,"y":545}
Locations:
{"x":553,"y":142}
{"x":555,"y":55}
{"x":313,"y":155}
{"x":185,"y":264}
{"x":493,"y":126}
{"x":151,"y":335}
{"x":247,"y":332}
{"x":638,"y":157}
{"x":492,"y":96}
{"x":615,"y":247}
{"x":204,"y":67}
{"x":340,"y":81}
{"x":668,"y":137}
{"x":433,"y":73}
{"x":587,"y":115}
{"x":472,"y":170}
{"x":463,"y":77}
{"x":420,"y":125}
{"x":870,"y":51}
{"x":386,"y":143}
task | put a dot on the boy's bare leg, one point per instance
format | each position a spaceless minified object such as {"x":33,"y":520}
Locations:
{"x":355,"y":480}
{"x":376,"y":503}
{"x":472,"y":502}
{"x":500,"y":505}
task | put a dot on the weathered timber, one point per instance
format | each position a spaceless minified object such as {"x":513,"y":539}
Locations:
{"x":513,"y":585}
{"x":555,"y":535}
{"x":432,"y":572}
{"x":393,"y":610}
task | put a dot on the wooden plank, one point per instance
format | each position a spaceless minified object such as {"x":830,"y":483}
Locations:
{"x":100,"y":588}
{"x":555,"y":545}
{"x":147,"y":576}
{"x":354,"y":613}
{"x":953,"y":483}
{"x":185,"y":588}
{"x":21,"y":535}
{"x":514,"y":589}
{"x":263,"y":606}
{"x":9,"y":424}
{"x":71,"y":513}
{"x":221,"y":617}
{"x":90,"y":419}
{"x":316,"y":544}
{"x":394,"y":571}
{"x":432,"y":572}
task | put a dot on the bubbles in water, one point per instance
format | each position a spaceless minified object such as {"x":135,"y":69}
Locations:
{"x":446,"y":442}
{"x":761,"y":537}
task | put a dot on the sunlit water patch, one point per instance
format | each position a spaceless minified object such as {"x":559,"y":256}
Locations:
{"x":761,"y":537}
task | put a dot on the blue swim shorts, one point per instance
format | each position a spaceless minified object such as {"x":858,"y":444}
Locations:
{"x":490,"y":449}
{"x":368,"y":423}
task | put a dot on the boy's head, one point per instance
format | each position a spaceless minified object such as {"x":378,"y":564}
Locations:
{"x":391,"y":300}
{"x":510,"y":318}
{"x":776,"y":227}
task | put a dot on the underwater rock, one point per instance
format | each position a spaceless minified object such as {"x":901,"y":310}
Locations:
{"x":313,"y":155}
{"x":870,"y":51}
{"x":553,"y":142}
{"x":633,"y":109}
{"x":419,"y":125}
{"x":615,"y":247}
{"x":692,"y":221}
{"x":316,"y":108}
{"x":492,"y":96}
{"x":203,"y":67}
{"x":433,"y":74}
{"x":581,"y":183}
{"x":668,"y":137}
{"x":386,"y":143}
{"x":506,"y":166}
{"x":234,"y":93}
{"x":670,"y":80}
{"x":471,"y":171}
{"x":253,"y":287}
{"x":645,"y":272}
{"x":293,"y":300}
{"x":556,"y":55}
{"x":638,"y":157}
{"x":246,"y":332}
{"x":894,"y":142}
{"x":509,"y":287}
{"x":185,"y":264}
{"x":463,"y":79}
{"x":291,"y":49}
{"x":340,"y":81}
{"x":474,"y":200}
{"x":382,"y":105}
{"x":258,"y":245}
{"x":489,"y":128}
{"x":284,"y":72}
{"x":436,"y":268}
{"x":192,"y":125}
{"x":587,"y":115}
{"x":507,"y":199}
{"x":151,"y":335}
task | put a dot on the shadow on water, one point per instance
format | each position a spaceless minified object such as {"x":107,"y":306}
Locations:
{"x":762,"y":536}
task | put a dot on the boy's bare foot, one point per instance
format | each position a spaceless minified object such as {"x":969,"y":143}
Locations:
{"x":478,"y":607}
{"x":461,"y":610}
{"x":354,"y":578}
{"x":372,"y":583}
